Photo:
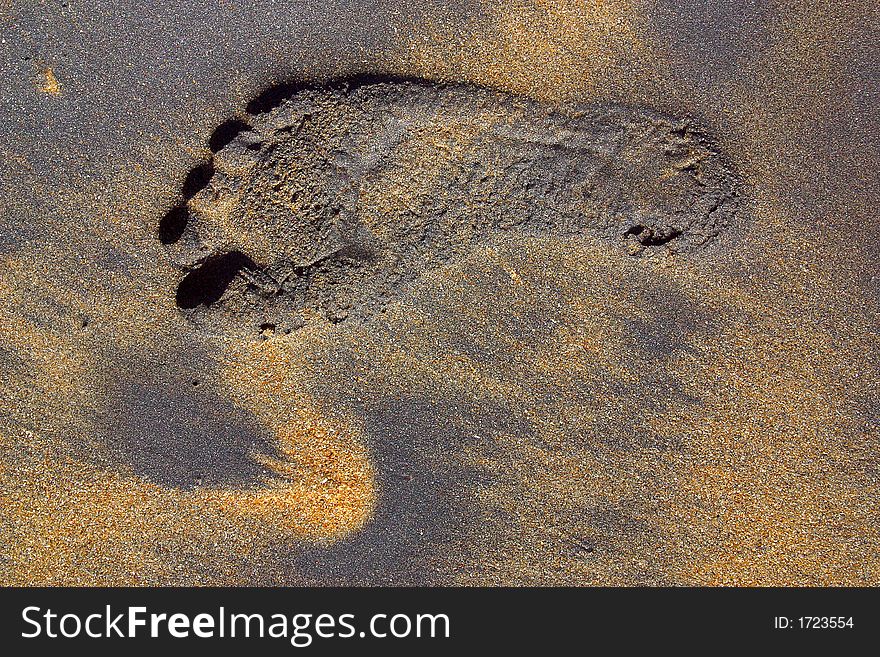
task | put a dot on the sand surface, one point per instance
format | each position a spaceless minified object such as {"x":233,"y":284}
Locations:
{"x":366,"y":292}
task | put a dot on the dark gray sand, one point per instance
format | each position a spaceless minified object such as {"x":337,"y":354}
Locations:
{"x":427,"y":293}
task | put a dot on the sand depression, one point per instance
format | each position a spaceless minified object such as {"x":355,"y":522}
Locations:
{"x":323,"y":202}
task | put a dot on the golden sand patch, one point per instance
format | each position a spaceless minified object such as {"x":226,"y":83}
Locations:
{"x":540,"y":48}
{"x":69,"y":524}
{"x":324,"y":485}
{"x":54,"y":379}
{"x":48,"y":83}
{"x":781,"y":479}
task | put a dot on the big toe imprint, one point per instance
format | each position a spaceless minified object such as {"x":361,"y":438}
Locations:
{"x":323,"y":202}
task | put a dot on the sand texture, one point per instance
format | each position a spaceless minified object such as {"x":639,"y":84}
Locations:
{"x":471,"y":293}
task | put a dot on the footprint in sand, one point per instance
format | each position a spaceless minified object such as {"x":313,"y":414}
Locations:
{"x":323,"y":202}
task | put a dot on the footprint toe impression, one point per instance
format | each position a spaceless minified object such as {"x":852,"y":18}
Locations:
{"x":325,"y":201}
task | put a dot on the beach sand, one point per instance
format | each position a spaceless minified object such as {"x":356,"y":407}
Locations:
{"x":508,"y":293}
